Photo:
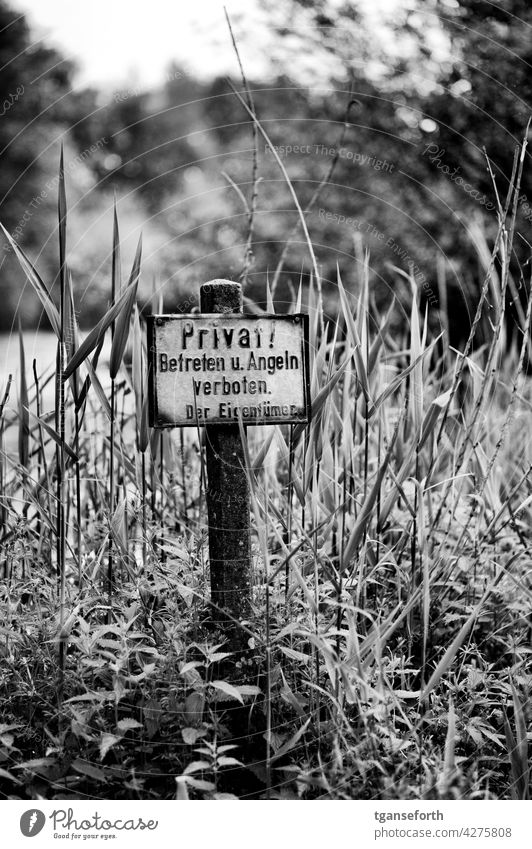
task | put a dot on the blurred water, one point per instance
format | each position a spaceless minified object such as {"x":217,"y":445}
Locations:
{"x":40,"y":346}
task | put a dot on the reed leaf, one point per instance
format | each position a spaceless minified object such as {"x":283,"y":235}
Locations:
{"x":53,"y":435}
{"x":37,"y":283}
{"x":23,"y":429}
{"x":95,"y":337}
{"x":5,"y":397}
{"x":366,"y":510}
{"x":124,"y":316}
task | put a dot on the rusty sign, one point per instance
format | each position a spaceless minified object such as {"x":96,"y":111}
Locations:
{"x":217,"y":369}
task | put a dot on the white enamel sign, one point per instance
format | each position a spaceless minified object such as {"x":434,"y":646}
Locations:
{"x":216,"y":369}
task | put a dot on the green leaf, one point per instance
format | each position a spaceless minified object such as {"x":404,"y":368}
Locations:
{"x":450,"y":654}
{"x":138,"y":379}
{"x":5,"y":399}
{"x":248,"y":690}
{"x":40,"y":766}
{"x":192,"y":664}
{"x":431,"y":416}
{"x":291,"y":743}
{"x":199,"y":784}
{"x":128,"y":725}
{"x":270,"y":308}
{"x":41,"y":290}
{"x":93,"y":379}
{"x":396,"y":382}
{"x":144,"y":429}
{"x":197,"y":766}
{"x":23,"y":428}
{"x":96,"y":335}
{"x":192,"y":735}
{"x":152,"y":715}
{"x":119,"y":526}
{"x":107,"y":742}
{"x":181,"y":791}
{"x":5,"y":774}
{"x":365,"y":513}
{"x":116,"y":282}
{"x":72,"y":336}
{"x":62,"y":215}
{"x":228,"y":690}
{"x":122,"y":325}
{"x":53,"y":435}
{"x":4,"y":727}
{"x":194,"y":705}
{"x":88,"y":769}
{"x":217,"y":656}
{"x":225,"y":761}
{"x":318,"y":402}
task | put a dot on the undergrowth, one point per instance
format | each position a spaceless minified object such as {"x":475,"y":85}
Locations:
{"x":388,"y":655}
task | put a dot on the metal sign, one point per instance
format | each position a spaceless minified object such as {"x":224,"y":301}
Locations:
{"x":217,"y":369}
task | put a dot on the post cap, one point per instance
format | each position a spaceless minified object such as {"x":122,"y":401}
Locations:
{"x":221,"y":296}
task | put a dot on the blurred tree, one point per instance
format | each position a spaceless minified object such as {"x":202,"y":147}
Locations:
{"x":482,"y":109}
{"x":387,"y":104}
{"x":437,"y":82}
{"x":485,"y":100}
{"x":36,"y":105}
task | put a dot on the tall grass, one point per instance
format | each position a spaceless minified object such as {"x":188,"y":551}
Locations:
{"x":389,"y":646}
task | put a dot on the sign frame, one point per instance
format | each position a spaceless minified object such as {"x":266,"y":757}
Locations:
{"x":155,"y":419}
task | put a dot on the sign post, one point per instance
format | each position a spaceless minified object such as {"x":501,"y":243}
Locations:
{"x":228,"y":488}
{"x":214,"y":370}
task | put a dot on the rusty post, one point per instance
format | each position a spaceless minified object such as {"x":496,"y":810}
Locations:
{"x":227,"y":492}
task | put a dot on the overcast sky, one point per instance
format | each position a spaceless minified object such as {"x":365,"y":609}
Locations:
{"x":132,"y":42}
{"x":119,"y":41}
